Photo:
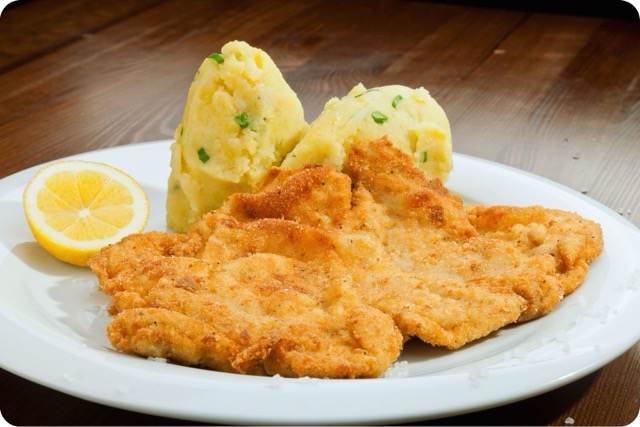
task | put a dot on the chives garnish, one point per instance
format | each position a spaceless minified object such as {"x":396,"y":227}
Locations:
{"x":378,"y":117}
{"x":396,"y":100}
{"x":242,"y":120}
{"x":202,"y":155}
{"x":424,"y":157}
{"x":366,"y":91}
{"x":216,"y":57}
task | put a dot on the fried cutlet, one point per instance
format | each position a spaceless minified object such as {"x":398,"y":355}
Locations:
{"x":416,"y":252}
{"x":434,"y":235}
{"x":263,"y":297}
{"x":323,"y":273}
{"x":569,"y":239}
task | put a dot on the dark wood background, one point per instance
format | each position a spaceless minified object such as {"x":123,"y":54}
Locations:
{"x":548,"y":87}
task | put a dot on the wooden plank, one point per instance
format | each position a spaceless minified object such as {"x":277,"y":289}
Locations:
{"x":32,"y":28}
{"x":599,"y":98}
{"x":484,"y":106}
{"x":543,"y":118}
{"x":391,"y":47}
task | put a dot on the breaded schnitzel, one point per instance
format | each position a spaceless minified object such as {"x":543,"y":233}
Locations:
{"x":435,"y":237}
{"x":262,"y":297}
{"x":323,"y":273}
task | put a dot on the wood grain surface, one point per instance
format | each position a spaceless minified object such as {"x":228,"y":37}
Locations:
{"x":550,"y":90}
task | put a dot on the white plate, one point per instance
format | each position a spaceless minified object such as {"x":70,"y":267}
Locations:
{"x":52,"y":321}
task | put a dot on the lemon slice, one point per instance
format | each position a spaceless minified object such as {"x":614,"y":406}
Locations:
{"x":76,"y":207}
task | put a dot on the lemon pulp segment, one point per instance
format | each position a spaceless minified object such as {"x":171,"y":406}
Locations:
{"x":85,"y":205}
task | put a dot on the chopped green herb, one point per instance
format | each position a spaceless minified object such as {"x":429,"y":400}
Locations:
{"x":424,"y":157}
{"x":202,"y":155}
{"x":216,"y":57}
{"x":378,"y":117}
{"x":396,"y":101}
{"x":242,"y":120}
{"x":366,"y":91}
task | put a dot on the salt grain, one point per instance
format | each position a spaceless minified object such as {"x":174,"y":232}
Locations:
{"x":275,"y":382}
{"x":123,"y":389}
{"x":519,"y":353}
{"x":569,"y":421}
{"x":633,"y":281}
{"x":476,"y":375}
{"x":398,"y":370}
{"x":604,"y":316}
{"x":77,"y":280}
{"x":308,"y":381}
{"x":69,"y":377}
{"x":582,"y":301}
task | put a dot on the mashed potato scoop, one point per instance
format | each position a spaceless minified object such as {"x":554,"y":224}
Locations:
{"x":410,"y":118}
{"x":240,"y":118}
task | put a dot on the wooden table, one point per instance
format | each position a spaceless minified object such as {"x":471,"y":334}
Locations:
{"x":553,"y":92}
